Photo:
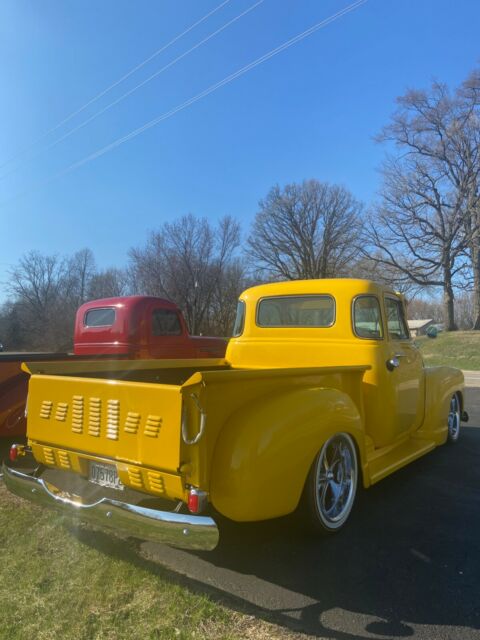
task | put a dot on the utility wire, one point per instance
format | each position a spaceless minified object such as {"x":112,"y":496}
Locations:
{"x":116,"y":83}
{"x":168,"y":114}
{"x":138,"y":86}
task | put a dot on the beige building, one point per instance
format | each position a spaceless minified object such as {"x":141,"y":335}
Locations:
{"x":419,"y":327}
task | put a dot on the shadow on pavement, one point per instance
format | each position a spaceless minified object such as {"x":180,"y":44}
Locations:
{"x":410,"y":556}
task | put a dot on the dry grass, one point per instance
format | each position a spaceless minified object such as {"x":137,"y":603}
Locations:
{"x":459,"y":349}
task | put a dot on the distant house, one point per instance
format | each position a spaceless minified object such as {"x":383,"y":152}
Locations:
{"x":419,"y":327}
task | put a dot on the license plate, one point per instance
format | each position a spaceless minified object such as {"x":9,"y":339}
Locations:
{"x":105,"y":475}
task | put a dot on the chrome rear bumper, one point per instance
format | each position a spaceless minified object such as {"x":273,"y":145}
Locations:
{"x":178,"y":530}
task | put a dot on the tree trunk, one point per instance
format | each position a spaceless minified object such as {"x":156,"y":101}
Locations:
{"x":475,"y":253}
{"x":448,"y":303}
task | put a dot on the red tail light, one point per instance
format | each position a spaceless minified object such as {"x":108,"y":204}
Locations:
{"x":18,"y":450}
{"x":13,"y":454}
{"x":193,"y":502}
{"x":197,"y":500}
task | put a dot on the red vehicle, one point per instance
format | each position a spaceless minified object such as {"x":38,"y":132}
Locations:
{"x":136,"y":327}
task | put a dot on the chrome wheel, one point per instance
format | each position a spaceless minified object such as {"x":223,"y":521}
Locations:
{"x":454,"y":418}
{"x":334,"y":482}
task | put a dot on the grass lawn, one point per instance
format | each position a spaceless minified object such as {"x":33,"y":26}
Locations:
{"x":59,"y":581}
{"x":456,"y":348}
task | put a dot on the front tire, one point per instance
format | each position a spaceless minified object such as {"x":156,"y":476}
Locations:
{"x":454,"y":418}
{"x":331,"y":484}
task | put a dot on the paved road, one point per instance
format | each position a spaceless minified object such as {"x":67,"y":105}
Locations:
{"x":408,"y":564}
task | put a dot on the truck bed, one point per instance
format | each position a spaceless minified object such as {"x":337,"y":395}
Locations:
{"x":143,"y":416}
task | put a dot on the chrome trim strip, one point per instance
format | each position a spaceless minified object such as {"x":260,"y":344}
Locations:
{"x":178,"y":530}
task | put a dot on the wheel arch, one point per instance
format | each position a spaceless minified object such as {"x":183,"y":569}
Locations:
{"x":441,"y":383}
{"x":265,"y":451}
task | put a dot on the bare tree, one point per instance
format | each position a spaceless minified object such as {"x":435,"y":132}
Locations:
{"x":417,"y":229}
{"x":109,"y":283}
{"x":422,"y":309}
{"x":81,"y":269}
{"x":38,"y":285}
{"x":45,"y":294}
{"x":184,"y":262}
{"x":306,"y":230}
{"x":465,"y":310}
{"x":222,"y":311}
{"x":427,"y":216}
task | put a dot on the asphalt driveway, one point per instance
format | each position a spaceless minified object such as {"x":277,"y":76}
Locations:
{"x":408,"y":564}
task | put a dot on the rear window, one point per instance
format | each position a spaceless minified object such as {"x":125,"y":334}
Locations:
{"x":104,"y":317}
{"x":165,"y":322}
{"x":296,"y":311}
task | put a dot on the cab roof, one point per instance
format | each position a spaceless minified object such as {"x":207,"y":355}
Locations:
{"x":346,"y":286}
{"x":128,"y":303}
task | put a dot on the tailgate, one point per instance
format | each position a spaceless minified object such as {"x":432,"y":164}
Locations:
{"x":133,"y":422}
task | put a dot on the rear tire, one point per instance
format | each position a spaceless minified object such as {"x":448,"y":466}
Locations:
{"x":331,"y":485}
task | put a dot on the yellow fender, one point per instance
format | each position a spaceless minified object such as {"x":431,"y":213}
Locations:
{"x":440,"y":385}
{"x":265,"y":450}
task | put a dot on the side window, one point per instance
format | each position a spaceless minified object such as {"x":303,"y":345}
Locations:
{"x":367,"y":319}
{"x":397,"y":327}
{"x":239,"y":319}
{"x":165,"y":322}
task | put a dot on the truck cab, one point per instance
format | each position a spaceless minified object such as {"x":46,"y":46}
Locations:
{"x":139,"y":327}
{"x":346,"y":322}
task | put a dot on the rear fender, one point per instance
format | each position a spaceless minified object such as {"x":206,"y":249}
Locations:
{"x":265,"y":450}
{"x":440,"y":385}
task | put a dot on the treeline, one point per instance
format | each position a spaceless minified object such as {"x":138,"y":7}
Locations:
{"x":422,"y":234}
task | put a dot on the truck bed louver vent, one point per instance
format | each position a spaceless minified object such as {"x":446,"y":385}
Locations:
{"x":94,"y":418}
{"x":49,"y":455}
{"x":46,"y":409}
{"x":152,"y":426}
{"x":135,"y":477}
{"x":77,"y":414}
{"x":64,"y":459}
{"x":156,"y":482}
{"x":113,"y":419}
{"x":132,"y":422}
{"x":61,"y":413}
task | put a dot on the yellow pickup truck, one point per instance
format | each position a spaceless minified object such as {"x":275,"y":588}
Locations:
{"x":321,"y":388}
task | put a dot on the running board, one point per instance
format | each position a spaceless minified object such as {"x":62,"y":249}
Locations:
{"x":383,"y":464}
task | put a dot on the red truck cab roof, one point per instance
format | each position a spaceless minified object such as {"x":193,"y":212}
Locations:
{"x":127,"y":326}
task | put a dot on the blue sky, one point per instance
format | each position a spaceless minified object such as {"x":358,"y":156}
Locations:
{"x":310,"y":112}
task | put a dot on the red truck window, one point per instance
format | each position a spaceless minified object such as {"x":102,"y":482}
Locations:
{"x":104,"y":317}
{"x":165,"y":322}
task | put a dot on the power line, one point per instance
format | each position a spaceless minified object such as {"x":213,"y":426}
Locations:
{"x":141,"y":84}
{"x":117,"y":82}
{"x":168,"y":114}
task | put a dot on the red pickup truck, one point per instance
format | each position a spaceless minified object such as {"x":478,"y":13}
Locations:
{"x":136,"y":327}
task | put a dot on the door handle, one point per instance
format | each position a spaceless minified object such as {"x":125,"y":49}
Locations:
{"x":393,"y":363}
